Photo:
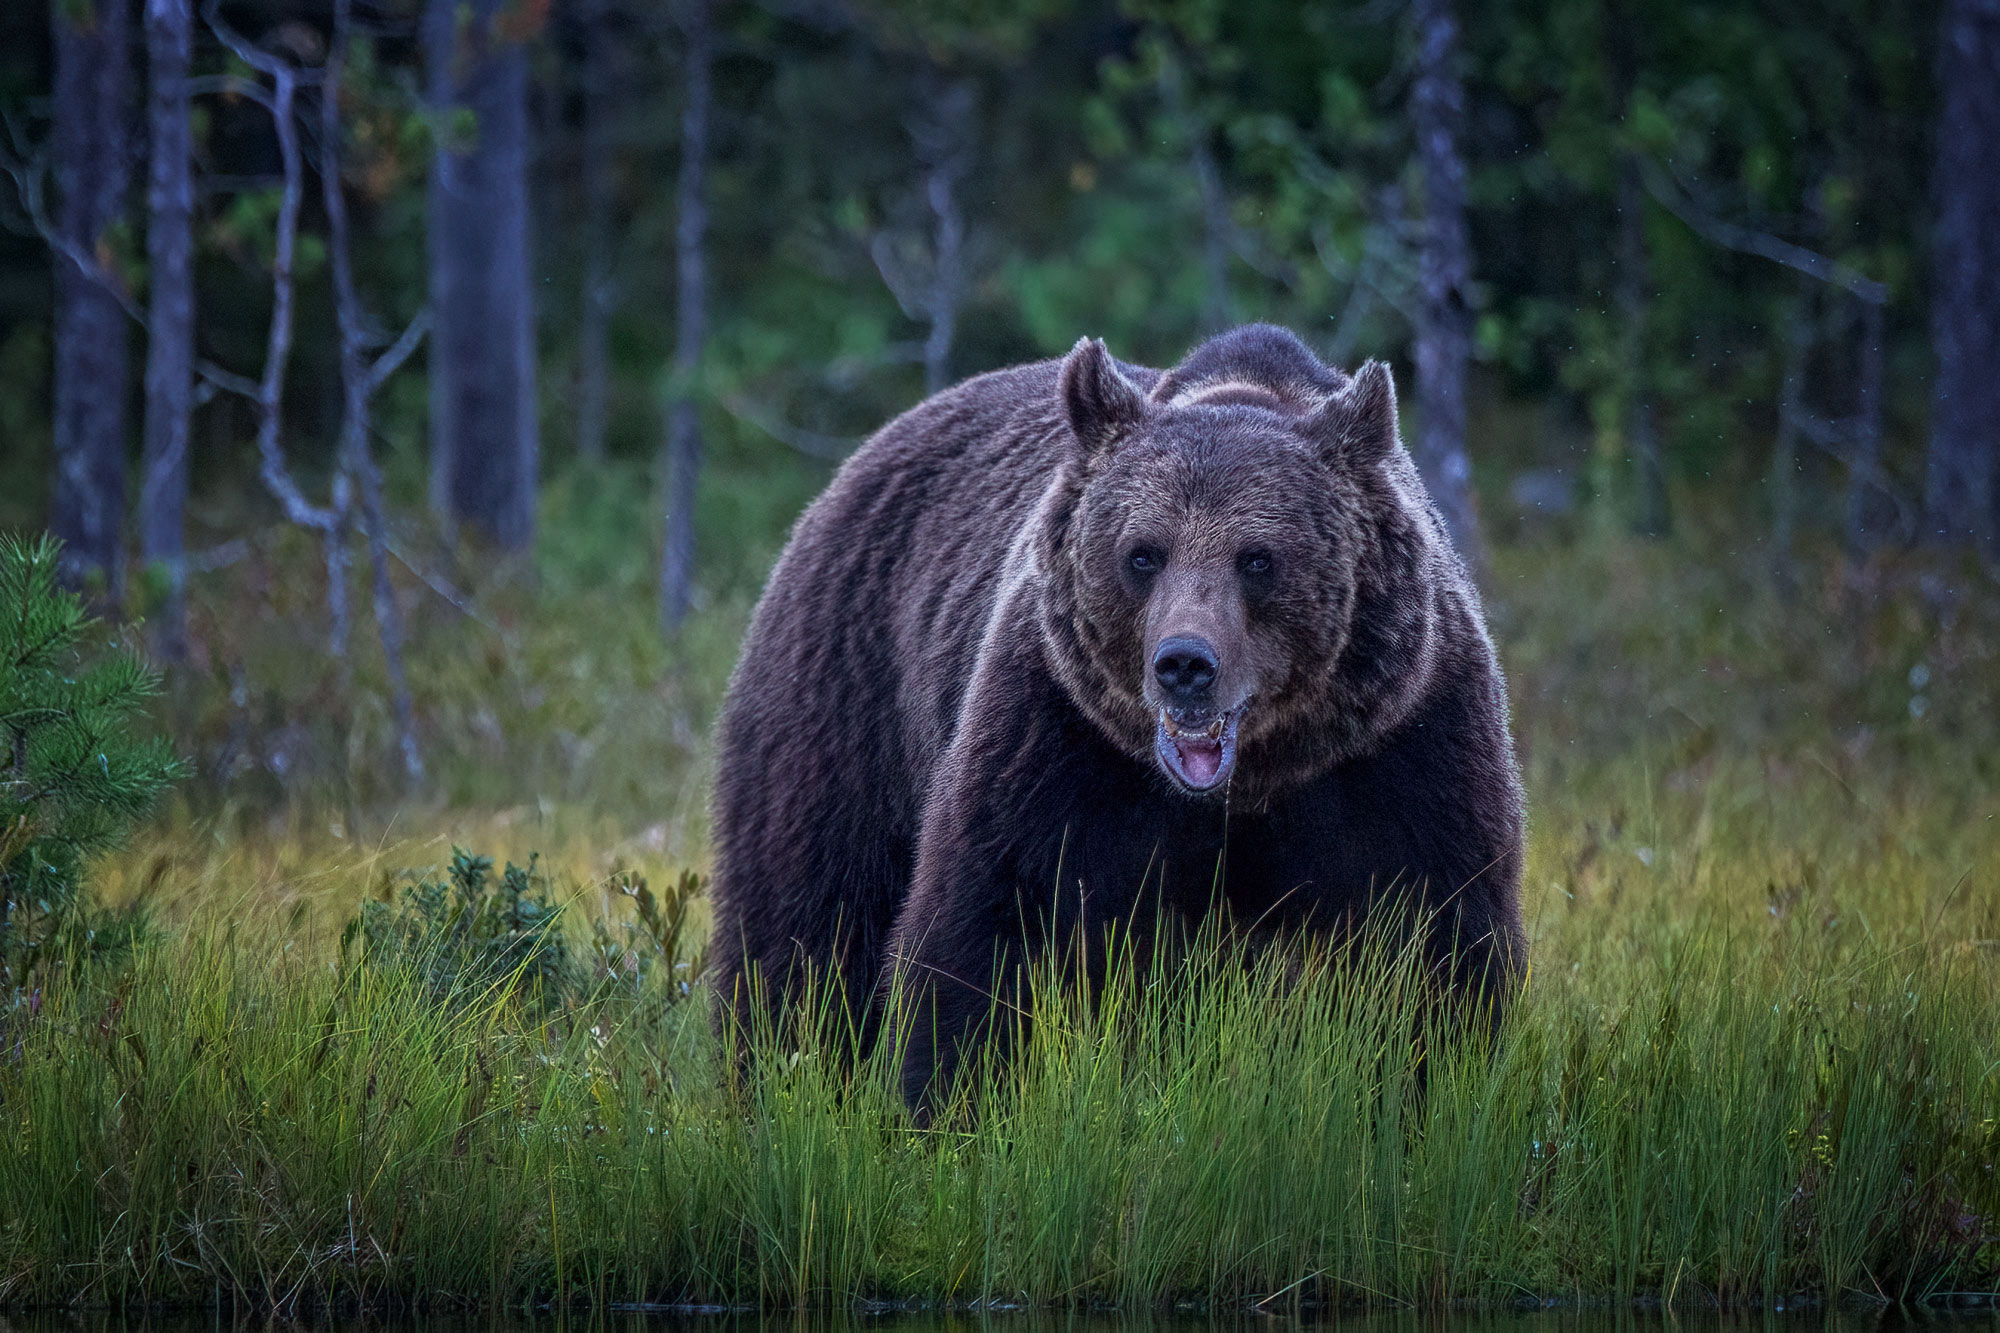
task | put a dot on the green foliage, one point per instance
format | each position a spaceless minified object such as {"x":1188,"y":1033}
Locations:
{"x":1738,"y":1116}
{"x":467,"y":936}
{"x":633,"y":955}
{"x":469,"y":939}
{"x":73,"y":779}
{"x":1083,"y":213}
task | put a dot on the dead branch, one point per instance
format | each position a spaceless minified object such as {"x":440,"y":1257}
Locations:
{"x":1750,"y":241}
{"x":829,"y":448}
{"x":359,"y":379}
{"x":399,"y":351}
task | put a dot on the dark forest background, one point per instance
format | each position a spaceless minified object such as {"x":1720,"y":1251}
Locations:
{"x":397,"y":365}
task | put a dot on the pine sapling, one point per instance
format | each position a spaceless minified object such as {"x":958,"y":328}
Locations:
{"x":73,"y":779}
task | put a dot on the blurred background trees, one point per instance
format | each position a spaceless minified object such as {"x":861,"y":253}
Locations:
{"x":1964,"y":477}
{"x":543,"y":289}
{"x":91,"y":144}
{"x":483,"y":429}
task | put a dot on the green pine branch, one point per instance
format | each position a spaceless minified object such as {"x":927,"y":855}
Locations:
{"x":73,"y":778}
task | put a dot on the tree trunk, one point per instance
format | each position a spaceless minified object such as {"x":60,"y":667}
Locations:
{"x":170,"y":321}
{"x":93,"y":172}
{"x":593,"y":325}
{"x":358,"y":380}
{"x":483,"y":430}
{"x":943,"y":136}
{"x":1963,"y":483}
{"x":683,"y":447}
{"x":1444,"y":335}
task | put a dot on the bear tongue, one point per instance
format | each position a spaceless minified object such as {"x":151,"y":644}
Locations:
{"x":1200,"y":759}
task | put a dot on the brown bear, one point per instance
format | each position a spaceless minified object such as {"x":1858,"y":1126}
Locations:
{"x":1052,"y":632}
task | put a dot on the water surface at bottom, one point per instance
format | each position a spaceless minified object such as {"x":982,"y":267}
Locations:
{"x":1595,"y":1319}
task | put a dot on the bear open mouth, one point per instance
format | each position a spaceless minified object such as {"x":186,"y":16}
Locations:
{"x":1200,"y":755}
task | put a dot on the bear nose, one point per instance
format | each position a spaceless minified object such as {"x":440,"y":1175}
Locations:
{"x":1185,"y":667}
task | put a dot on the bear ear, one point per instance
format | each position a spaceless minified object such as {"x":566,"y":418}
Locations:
{"x":1357,"y":426}
{"x":1100,"y":403}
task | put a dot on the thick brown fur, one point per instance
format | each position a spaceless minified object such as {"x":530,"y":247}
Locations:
{"x":942,"y":749}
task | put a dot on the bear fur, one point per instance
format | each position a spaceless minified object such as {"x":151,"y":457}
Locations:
{"x":964,"y":723}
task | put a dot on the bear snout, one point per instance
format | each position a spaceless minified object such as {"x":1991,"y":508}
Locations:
{"x":1186,"y":667}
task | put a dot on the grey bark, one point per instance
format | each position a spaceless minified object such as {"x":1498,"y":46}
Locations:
{"x":943,"y":136}
{"x":1962,"y":491}
{"x":484,"y":439}
{"x":358,"y":380}
{"x":1444,"y":335}
{"x":267,"y":392}
{"x":93,"y":174}
{"x":594,"y":321}
{"x":682,"y":463}
{"x":1749,"y":241}
{"x":170,"y":319}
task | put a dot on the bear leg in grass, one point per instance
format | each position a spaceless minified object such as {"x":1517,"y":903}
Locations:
{"x":1048,"y":629}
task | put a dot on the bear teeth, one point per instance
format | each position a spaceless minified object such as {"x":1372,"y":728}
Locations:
{"x":1213,"y":731}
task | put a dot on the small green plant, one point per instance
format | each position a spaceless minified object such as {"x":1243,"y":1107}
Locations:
{"x":72,"y":777}
{"x":633,"y":952}
{"x":468,"y":935}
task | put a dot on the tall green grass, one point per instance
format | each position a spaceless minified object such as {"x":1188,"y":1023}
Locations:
{"x":1755,"y":1057}
{"x":1730,"y":1126}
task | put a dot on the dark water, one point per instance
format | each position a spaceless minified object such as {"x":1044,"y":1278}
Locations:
{"x":1984,"y":1318}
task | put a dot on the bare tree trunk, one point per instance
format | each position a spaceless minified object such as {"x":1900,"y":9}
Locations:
{"x":268,"y":392}
{"x":358,"y":380}
{"x":1963,"y":483}
{"x":683,"y":446}
{"x":1652,"y":515}
{"x":93,"y":171}
{"x":1444,"y":336}
{"x":484,"y":441}
{"x":593,"y":325}
{"x":942,"y":133}
{"x":170,"y":319}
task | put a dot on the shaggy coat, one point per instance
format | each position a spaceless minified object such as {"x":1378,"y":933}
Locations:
{"x":1052,"y":632}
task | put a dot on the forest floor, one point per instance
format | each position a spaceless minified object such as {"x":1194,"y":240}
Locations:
{"x":1757,"y":1055}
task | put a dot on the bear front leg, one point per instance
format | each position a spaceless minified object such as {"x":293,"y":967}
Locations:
{"x":953,"y":986}
{"x":992,"y":896}
{"x":983,"y":898}
{"x":1036,"y":833}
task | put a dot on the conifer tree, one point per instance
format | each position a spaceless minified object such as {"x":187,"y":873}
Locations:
{"x":72,"y":777}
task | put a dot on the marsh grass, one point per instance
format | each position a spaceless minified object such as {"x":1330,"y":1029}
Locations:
{"x":1718,"y":1123}
{"x":1755,"y":1056}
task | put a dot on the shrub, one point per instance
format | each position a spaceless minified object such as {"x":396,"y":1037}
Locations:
{"x":72,"y":778}
{"x":469,"y":936}
{"x":633,"y":952}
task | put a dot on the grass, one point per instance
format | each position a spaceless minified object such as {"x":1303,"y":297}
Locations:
{"x":1757,"y":1057}
{"x":1724,"y":1114}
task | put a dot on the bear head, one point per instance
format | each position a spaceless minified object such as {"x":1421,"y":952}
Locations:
{"x":1241,"y":570}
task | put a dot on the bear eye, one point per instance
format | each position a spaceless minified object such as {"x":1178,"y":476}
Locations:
{"x":1257,"y":562}
{"x":1144,"y":561}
